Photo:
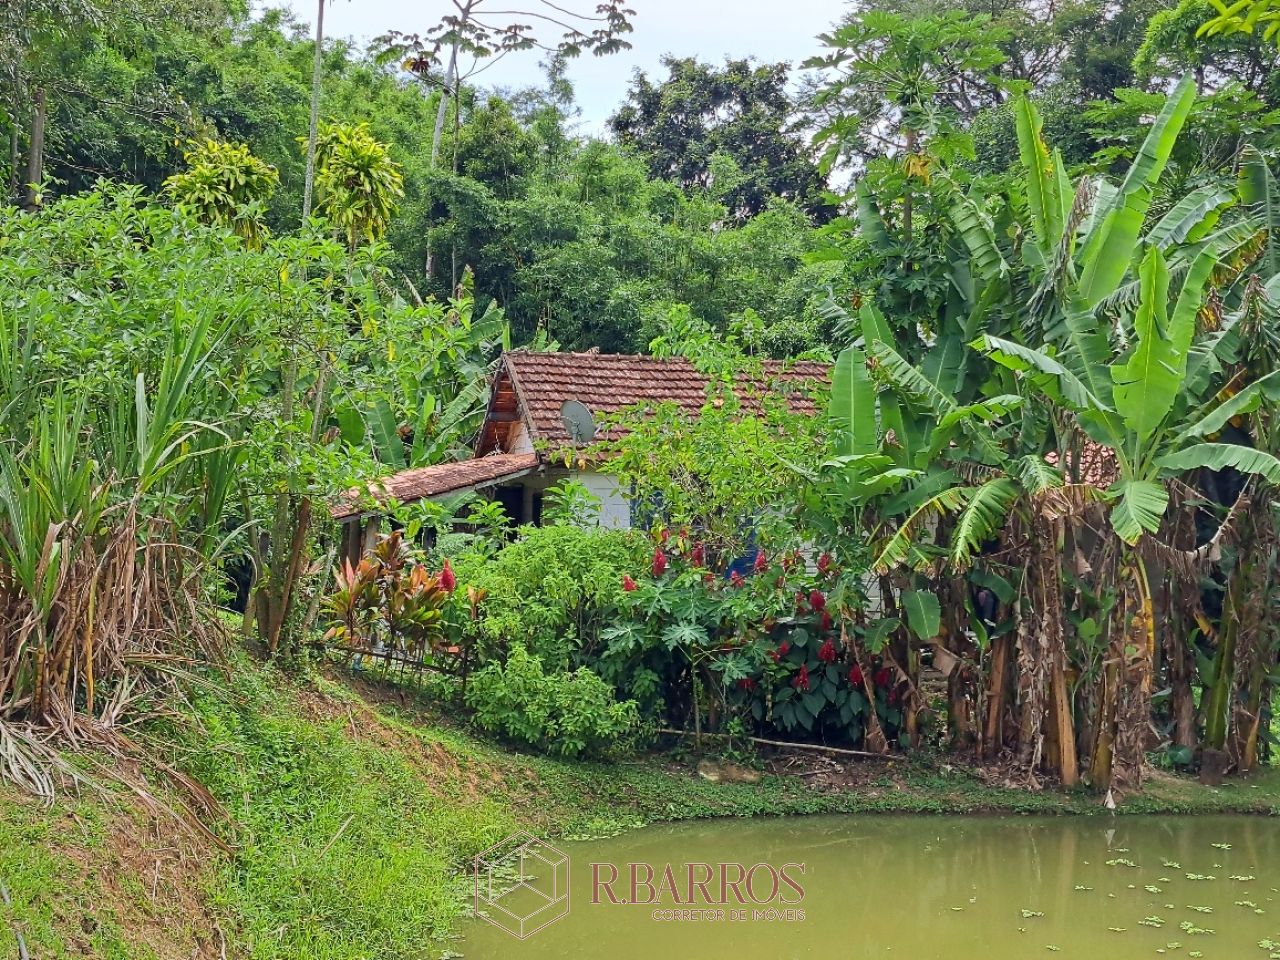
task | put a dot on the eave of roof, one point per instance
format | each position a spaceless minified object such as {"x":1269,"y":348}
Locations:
{"x":423,"y":483}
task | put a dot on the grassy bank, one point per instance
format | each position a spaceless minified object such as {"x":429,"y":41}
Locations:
{"x":350,"y":816}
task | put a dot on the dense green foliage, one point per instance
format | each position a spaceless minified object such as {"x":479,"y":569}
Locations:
{"x":1056,"y":241}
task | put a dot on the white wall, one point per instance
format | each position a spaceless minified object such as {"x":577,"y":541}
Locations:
{"x":615,"y":508}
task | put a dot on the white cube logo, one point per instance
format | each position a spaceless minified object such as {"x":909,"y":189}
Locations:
{"x":522,"y":885}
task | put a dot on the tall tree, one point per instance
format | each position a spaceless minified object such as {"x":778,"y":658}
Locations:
{"x":741,"y":111}
{"x":477,"y":30}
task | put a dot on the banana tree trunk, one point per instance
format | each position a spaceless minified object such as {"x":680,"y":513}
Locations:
{"x":997,"y":697}
{"x":1137,"y":659}
{"x":1047,"y":581}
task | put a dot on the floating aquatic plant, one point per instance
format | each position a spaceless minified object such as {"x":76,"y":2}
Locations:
{"x":1186,"y":926}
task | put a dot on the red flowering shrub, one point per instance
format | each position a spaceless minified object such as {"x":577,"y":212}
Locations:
{"x":772,"y":628}
{"x":801,"y":682}
{"x":659,"y":563}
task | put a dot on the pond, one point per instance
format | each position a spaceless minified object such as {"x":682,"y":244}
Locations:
{"x":912,"y":887}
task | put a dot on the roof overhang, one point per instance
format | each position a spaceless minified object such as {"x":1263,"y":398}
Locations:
{"x":427,"y":483}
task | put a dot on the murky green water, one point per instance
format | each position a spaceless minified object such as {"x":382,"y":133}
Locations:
{"x":925,"y":888}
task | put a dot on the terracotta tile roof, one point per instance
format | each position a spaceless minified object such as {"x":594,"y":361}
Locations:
{"x":1097,"y":464}
{"x":607,"y":383}
{"x":423,"y":482}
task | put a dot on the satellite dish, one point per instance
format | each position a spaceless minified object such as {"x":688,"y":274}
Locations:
{"x":578,"y":422}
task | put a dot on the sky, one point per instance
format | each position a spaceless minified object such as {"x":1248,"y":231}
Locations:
{"x":769,"y":30}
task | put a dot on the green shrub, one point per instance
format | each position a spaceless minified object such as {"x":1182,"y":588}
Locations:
{"x":553,"y":591}
{"x":563,"y":713}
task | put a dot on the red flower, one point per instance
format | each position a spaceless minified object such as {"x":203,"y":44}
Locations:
{"x":746,"y":683}
{"x":800,"y":607}
{"x":827,"y":652}
{"x":801,"y":682}
{"x":775,"y":656}
{"x":825,"y":563}
{"x":659,"y":562}
{"x":762,"y":562}
{"x":699,"y":556}
{"x":881,"y":677}
{"x":784,"y":648}
{"x":735,"y":579}
{"x":855,"y":675}
{"x":827,"y":622}
{"x":664,"y":535}
{"x":628,"y":584}
{"x":447,"y":579}
{"x":817,"y":600}
{"x":708,"y":578}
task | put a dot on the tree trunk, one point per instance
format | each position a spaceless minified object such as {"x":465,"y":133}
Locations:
{"x":1047,"y":588}
{"x":35,"y":152}
{"x":1217,"y":713}
{"x":993,"y":733}
{"x":1137,"y":652}
{"x":450,"y":88}
{"x":317,"y":73}
{"x":15,"y":150}
{"x":1100,"y":766}
{"x":873,"y":737}
{"x":1181,"y":694}
{"x":907,"y":196}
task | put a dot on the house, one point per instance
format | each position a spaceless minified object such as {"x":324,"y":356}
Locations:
{"x":525,"y":444}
